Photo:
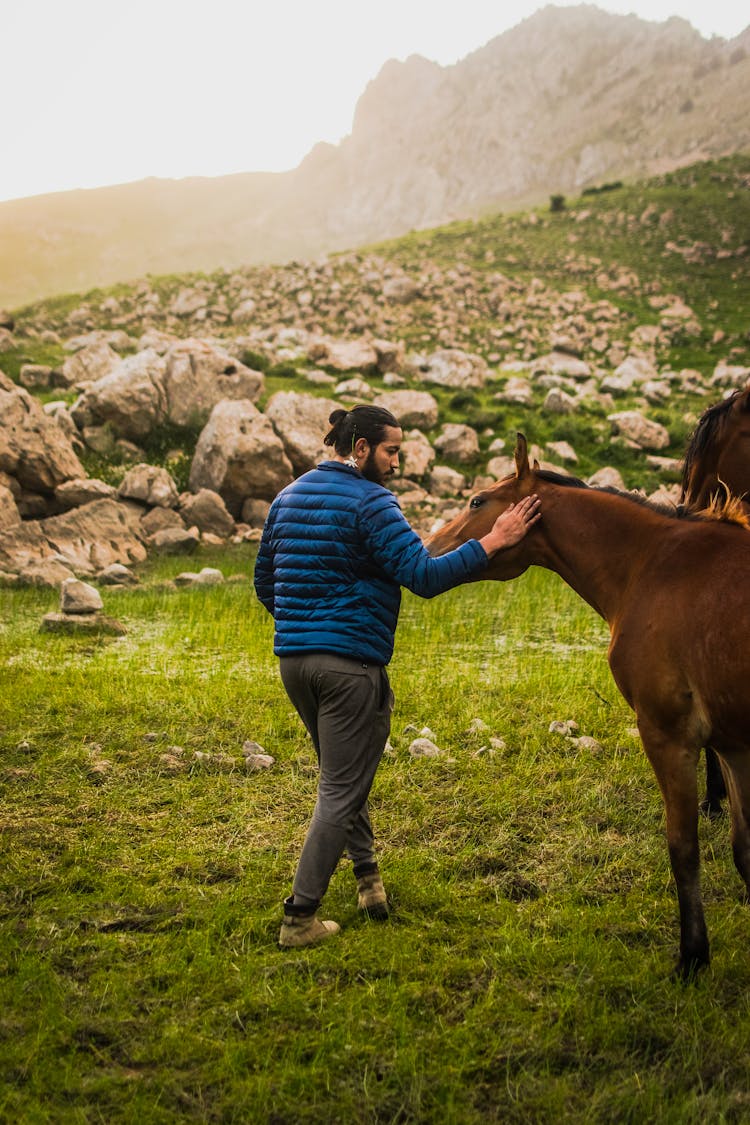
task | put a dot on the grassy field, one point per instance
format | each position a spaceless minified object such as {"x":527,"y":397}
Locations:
{"x":524,"y":976}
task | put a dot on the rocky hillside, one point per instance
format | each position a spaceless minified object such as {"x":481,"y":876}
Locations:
{"x":570,"y":98}
{"x":163,"y":414}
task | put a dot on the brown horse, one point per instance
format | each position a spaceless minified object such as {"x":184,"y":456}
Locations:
{"x":717,"y":465}
{"x":675,"y":593}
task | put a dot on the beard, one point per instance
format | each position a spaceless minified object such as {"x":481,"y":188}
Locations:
{"x":371,"y":472}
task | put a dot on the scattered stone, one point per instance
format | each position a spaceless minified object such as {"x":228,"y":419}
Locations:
{"x":117,"y":575}
{"x":172,"y":763}
{"x":425,"y":748}
{"x":255,"y":762}
{"x":208,"y":576}
{"x":149,"y":484}
{"x":175,"y":540}
{"x":78,"y":597}
{"x":93,"y":624}
{"x":566,"y":727}
{"x":585,"y":742}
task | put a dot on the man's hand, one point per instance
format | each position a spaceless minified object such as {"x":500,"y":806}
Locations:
{"x":510,"y":528}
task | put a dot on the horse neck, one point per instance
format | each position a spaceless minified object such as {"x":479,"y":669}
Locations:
{"x":597,"y":542}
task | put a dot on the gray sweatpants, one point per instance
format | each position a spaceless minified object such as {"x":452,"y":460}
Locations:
{"x":346,"y":706}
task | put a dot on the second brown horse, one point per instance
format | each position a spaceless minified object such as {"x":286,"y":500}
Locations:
{"x":717,"y":466}
{"x":676,"y":596}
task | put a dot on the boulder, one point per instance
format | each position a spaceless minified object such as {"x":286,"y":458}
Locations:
{"x":639,"y":431}
{"x":452,"y":367}
{"x":157,"y":519}
{"x":76,"y":493}
{"x":417,"y":455}
{"x":150,"y":485}
{"x":117,"y":575}
{"x":52,"y":571}
{"x":175,"y":540}
{"x":131,"y":397}
{"x":446,"y":482}
{"x":35,"y":376}
{"x":558,"y":401}
{"x":188,"y":302}
{"x":730,"y":375}
{"x":301,"y":421}
{"x":400,"y":290}
{"x":458,"y":443}
{"x":411,"y":408}
{"x":254,"y":512}
{"x":89,"y":364}
{"x":240,"y":455}
{"x":517,"y":391}
{"x":197,"y":375}
{"x":9,"y":514}
{"x":354,"y":388}
{"x":33,"y":448}
{"x":501,"y":467}
{"x":343,"y":355}
{"x":207,"y":511}
{"x":87,"y":538}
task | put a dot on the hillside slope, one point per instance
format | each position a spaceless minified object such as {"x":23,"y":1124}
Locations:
{"x":568,"y":98}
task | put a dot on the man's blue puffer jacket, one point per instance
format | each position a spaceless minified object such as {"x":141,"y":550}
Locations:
{"x":335,"y":551}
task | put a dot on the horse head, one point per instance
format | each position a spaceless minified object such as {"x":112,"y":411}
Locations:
{"x":718,"y":455}
{"x":483,"y":509}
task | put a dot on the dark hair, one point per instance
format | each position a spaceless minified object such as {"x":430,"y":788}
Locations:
{"x":367,"y":422}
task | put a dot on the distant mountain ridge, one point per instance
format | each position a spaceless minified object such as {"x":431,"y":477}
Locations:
{"x":568,"y":98}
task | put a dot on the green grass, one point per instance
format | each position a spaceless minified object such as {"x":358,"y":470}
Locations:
{"x":525,"y":974}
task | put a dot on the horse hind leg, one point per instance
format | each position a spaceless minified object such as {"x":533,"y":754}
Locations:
{"x":737,"y":770}
{"x":715,"y":788}
{"x":675,"y":769}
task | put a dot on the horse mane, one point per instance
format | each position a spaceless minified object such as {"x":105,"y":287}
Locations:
{"x":728,"y":510}
{"x":707,"y":433}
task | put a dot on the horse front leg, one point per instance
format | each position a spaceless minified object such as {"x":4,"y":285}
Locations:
{"x":675,"y":768}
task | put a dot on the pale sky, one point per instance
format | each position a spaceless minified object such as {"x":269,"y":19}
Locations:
{"x":99,"y":92}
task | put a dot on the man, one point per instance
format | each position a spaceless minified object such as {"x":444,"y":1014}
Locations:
{"x":335,"y":551}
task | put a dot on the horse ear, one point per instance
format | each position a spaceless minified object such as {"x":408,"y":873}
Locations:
{"x":521,"y":456}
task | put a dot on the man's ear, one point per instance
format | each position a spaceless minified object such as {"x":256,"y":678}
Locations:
{"x":361,"y":448}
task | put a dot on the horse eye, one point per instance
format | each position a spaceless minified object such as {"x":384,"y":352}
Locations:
{"x":476,"y":502}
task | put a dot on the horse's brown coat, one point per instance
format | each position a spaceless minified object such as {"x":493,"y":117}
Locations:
{"x":676,"y":596}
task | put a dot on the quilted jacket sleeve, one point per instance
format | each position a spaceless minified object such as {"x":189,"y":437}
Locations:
{"x":399,"y":551}
{"x":264,"y":585}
